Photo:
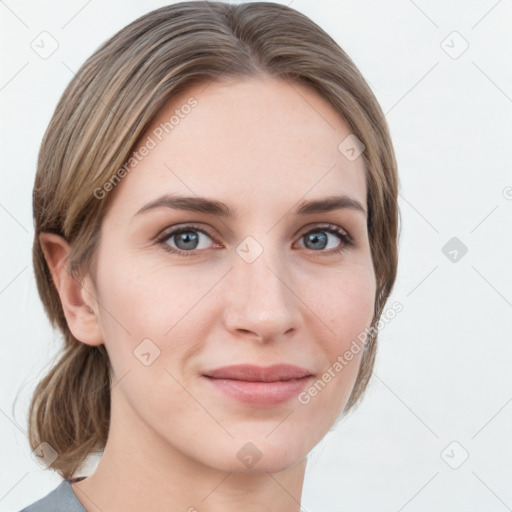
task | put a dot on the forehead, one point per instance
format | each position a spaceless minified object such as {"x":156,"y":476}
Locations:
{"x":251,"y":143}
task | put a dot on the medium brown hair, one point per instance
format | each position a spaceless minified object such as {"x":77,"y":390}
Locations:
{"x":97,"y":124}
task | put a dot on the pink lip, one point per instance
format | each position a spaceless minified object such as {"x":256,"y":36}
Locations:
{"x":260,"y":386}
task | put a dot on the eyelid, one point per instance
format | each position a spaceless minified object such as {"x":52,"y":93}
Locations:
{"x":166,"y":232}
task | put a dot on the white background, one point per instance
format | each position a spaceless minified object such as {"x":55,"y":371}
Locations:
{"x":443,"y":369}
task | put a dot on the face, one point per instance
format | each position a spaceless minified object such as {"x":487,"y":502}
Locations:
{"x":184,"y":291}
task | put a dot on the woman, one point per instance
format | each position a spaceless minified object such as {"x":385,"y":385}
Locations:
{"x":216,"y":238}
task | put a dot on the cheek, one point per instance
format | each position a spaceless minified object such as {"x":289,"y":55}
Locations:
{"x":344,"y":309}
{"x":141,"y":320}
{"x":153,"y":302}
{"x":146,"y":300}
{"x":345,"y":304}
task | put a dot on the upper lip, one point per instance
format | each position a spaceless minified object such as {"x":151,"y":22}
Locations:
{"x":252,"y":373}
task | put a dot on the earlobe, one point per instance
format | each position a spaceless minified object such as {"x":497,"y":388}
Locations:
{"x":78,"y":300}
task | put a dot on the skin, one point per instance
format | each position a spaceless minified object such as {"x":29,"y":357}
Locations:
{"x":261,"y":146}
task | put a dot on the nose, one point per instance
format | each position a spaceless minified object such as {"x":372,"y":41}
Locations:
{"x":259,"y":300}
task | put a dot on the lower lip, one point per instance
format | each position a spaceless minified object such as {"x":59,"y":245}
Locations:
{"x":261,"y":394}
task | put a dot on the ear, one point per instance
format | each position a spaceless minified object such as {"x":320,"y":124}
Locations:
{"x":77,"y":295}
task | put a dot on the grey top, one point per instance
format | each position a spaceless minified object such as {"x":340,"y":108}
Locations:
{"x":61,"y":499}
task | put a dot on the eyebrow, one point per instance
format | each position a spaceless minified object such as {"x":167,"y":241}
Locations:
{"x":220,"y":209}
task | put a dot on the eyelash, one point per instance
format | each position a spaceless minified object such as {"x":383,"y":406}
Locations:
{"x":345,"y":238}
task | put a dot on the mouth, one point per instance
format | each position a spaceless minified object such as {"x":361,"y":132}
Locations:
{"x":259,"y":386}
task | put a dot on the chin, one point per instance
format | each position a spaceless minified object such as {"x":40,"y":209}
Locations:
{"x":251,"y":453}
{"x":270,"y":454}
{"x":268,"y":463}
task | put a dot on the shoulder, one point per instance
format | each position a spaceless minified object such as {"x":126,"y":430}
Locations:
{"x":61,"y":499}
